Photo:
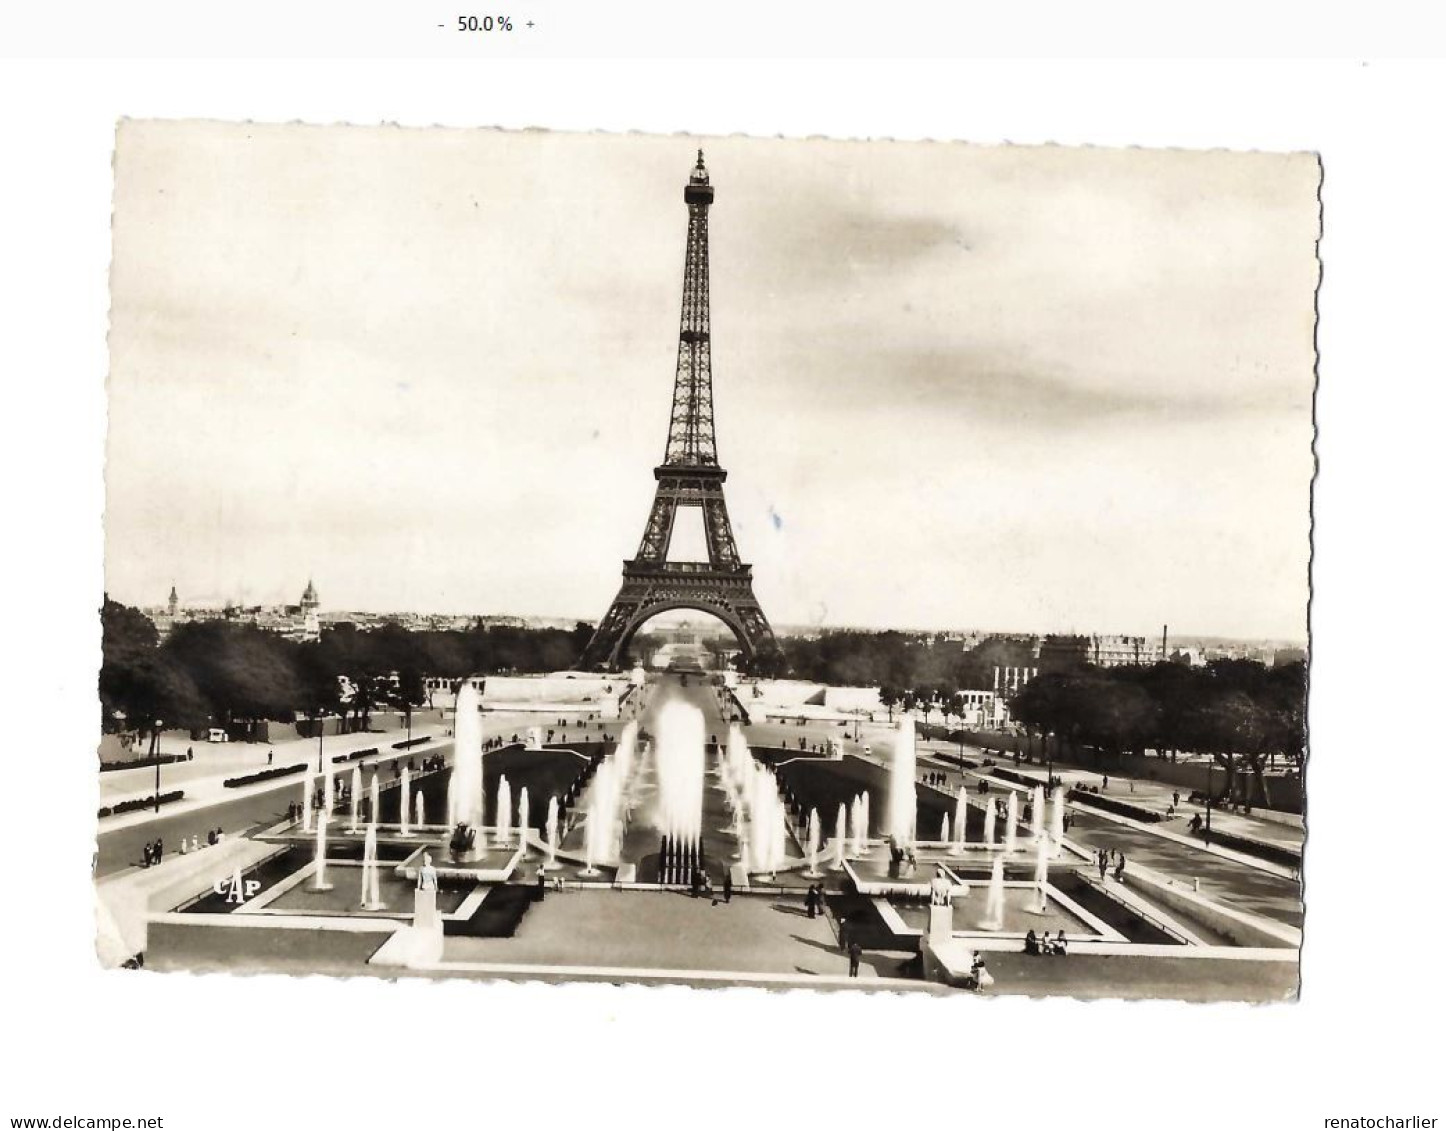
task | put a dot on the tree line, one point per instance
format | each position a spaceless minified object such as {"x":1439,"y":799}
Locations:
{"x":929,"y":666}
{"x":1239,"y":712}
{"x":218,"y":672}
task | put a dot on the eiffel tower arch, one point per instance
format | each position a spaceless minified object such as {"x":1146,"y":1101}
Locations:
{"x":689,"y":476}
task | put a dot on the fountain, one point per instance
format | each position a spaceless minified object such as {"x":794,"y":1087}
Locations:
{"x":902,"y":794}
{"x":944,"y":830}
{"x":503,"y":832}
{"x":681,"y":767}
{"x":813,"y":831}
{"x":318,"y":879}
{"x":840,"y":836}
{"x":524,"y":815}
{"x":864,"y":848}
{"x":419,"y":807}
{"x":465,"y":804}
{"x":860,"y":837}
{"x":356,"y":788}
{"x":1041,"y":871}
{"x":406,"y":798}
{"x":961,"y":822}
{"x":1056,"y":819}
{"x":994,"y":905}
{"x":1011,"y":822}
{"x":371,"y":884}
{"x":376,"y":798}
{"x":989,"y":822}
{"x":328,"y":787}
{"x":552,"y":831}
{"x":1036,"y":812}
{"x":307,"y":792}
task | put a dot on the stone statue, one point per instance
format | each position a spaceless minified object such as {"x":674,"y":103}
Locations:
{"x":426,"y":874}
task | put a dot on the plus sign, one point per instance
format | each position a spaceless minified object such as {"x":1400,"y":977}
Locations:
{"x":529,"y":23}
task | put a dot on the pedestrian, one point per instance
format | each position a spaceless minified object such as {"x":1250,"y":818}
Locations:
{"x":1120,"y":869}
{"x":1103,"y":865}
{"x":269,"y":755}
{"x":809,"y":902}
{"x":1105,"y":781}
{"x":728,"y":886}
{"x":856,"y":952}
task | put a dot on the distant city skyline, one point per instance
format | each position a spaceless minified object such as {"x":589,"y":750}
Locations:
{"x":1042,"y":389}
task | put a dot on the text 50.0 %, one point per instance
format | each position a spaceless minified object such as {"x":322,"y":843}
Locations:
{"x":484,"y":23}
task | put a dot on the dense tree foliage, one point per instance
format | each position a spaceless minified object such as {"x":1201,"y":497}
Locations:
{"x":219,"y":672}
{"x":892,"y":660}
{"x":1240,"y":712}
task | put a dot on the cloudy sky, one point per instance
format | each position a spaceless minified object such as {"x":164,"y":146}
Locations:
{"x":1010,"y":388}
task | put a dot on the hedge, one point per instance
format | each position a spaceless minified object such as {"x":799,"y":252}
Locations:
{"x":264,"y":775}
{"x":1113,"y":805}
{"x":139,"y":803}
{"x":357,"y":754}
{"x":1276,"y":854}
{"x":164,"y":759}
{"x":408,"y":743}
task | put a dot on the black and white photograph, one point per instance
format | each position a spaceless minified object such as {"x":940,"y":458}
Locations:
{"x":714,"y":561}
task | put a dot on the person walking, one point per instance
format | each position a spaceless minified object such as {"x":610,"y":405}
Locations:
{"x":728,"y":886}
{"x":856,"y":952}
{"x":1120,"y":869}
{"x":1103,"y":864}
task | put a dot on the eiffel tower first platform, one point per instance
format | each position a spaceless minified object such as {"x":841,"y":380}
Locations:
{"x":689,"y":476}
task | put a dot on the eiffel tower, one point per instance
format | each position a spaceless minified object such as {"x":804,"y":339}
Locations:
{"x":689,"y":476}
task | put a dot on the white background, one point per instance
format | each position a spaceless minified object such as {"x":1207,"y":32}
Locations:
{"x":218,"y":1052}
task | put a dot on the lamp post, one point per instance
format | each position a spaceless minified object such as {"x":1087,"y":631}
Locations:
{"x":156,"y":754}
{"x":1209,"y":793}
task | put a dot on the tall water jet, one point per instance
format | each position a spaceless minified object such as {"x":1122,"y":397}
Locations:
{"x":376,"y":799}
{"x":1036,"y":811}
{"x":419,"y":807}
{"x":1056,"y":819}
{"x":328,"y":787}
{"x":307,"y":793}
{"x":840,"y":836}
{"x":944,"y":830}
{"x":524,"y":818}
{"x":504,"y":812}
{"x":356,"y":788}
{"x":318,"y":878}
{"x":994,"y":905}
{"x":1011,"y":822}
{"x":860,"y":837}
{"x":406,"y":800}
{"x":961,"y":821}
{"x":681,"y":766}
{"x":371,"y":885}
{"x":902,"y":803}
{"x":1041,"y":870}
{"x":864,"y":848}
{"x":813,"y":833}
{"x":989,"y":822}
{"x":552,"y":831}
{"x":465,"y":804}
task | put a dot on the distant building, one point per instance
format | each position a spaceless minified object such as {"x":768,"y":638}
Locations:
{"x":1285,"y":656}
{"x":1119,"y":651}
{"x":1008,"y":681}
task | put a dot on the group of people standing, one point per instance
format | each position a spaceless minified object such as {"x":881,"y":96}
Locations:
{"x":1105,"y":860}
{"x":155,"y":850}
